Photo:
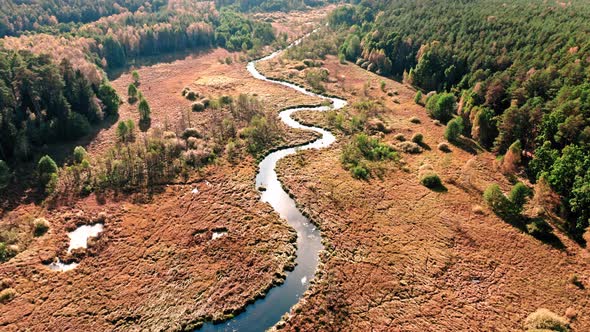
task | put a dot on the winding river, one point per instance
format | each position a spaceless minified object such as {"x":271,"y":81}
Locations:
{"x":266,"y":312}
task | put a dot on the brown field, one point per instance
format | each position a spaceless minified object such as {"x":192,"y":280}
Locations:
{"x":295,"y":23}
{"x":162,"y":84}
{"x":404,"y":258}
{"x":155,"y":266}
{"x":399,"y":256}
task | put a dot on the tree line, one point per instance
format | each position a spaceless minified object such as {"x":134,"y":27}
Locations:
{"x":271,"y":5}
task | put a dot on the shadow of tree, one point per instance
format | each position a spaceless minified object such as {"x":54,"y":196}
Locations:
{"x":425,"y":146}
{"x":145,"y":125}
{"x":468,"y":145}
{"x":535,"y":227}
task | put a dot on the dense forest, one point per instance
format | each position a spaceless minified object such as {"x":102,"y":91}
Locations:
{"x":117,"y":40}
{"x":57,"y":16}
{"x":20,"y":16}
{"x":518,"y":69}
{"x":43,"y":102}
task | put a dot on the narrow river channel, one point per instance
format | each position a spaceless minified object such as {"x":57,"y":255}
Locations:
{"x":266,"y":312}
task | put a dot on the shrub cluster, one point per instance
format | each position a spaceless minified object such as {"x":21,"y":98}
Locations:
{"x":361,"y":150}
{"x":504,"y":206}
{"x":431,"y":180}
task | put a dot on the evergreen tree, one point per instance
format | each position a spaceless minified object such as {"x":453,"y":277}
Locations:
{"x":454,"y":129}
{"x":519,"y":195}
{"x":441,"y":106}
{"x":79,"y":154}
{"x":132,"y":93}
{"x":135,"y":76}
{"x":46,"y":170}
{"x":110,"y":98}
{"x":144,"y":111}
{"x":418,"y":98}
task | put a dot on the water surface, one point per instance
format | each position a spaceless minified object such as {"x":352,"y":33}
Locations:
{"x":78,"y":239}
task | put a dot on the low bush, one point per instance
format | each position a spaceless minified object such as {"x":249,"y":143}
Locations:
{"x":79,"y":154}
{"x":415,"y":119}
{"x":190,"y":132}
{"x":196,"y":158}
{"x":431,"y":181}
{"x":546,"y":320}
{"x":363,"y":148}
{"x":418,"y":138}
{"x":126,"y":131}
{"x":519,"y":195}
{"x":46,"y":167}
{"x":40,"y":226}
{"x":198,"y":107}
{"x":168,"y":135}
{"x":191,"y":95}
{"x":225,"y":100}
{"x":6,"y":295}
{"x":454,"y":129}
{"x":192,"y":142}
{"x":477,"y":209}
{"x":359,"y":172}
{"x":497,"y":201}
{"x":144,"y":111}
{"x":132,"y":93}
{"x":232,"y":150}
{"x":418,"y":98}
{"x":5,"y":252}
{"x":441,"y":106}
{"x":376,"y":125}
{"x":574,"y":279}
{"x":408,"y":147}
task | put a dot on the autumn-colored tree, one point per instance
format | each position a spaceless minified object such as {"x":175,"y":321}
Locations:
{"x":512,"y":159}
